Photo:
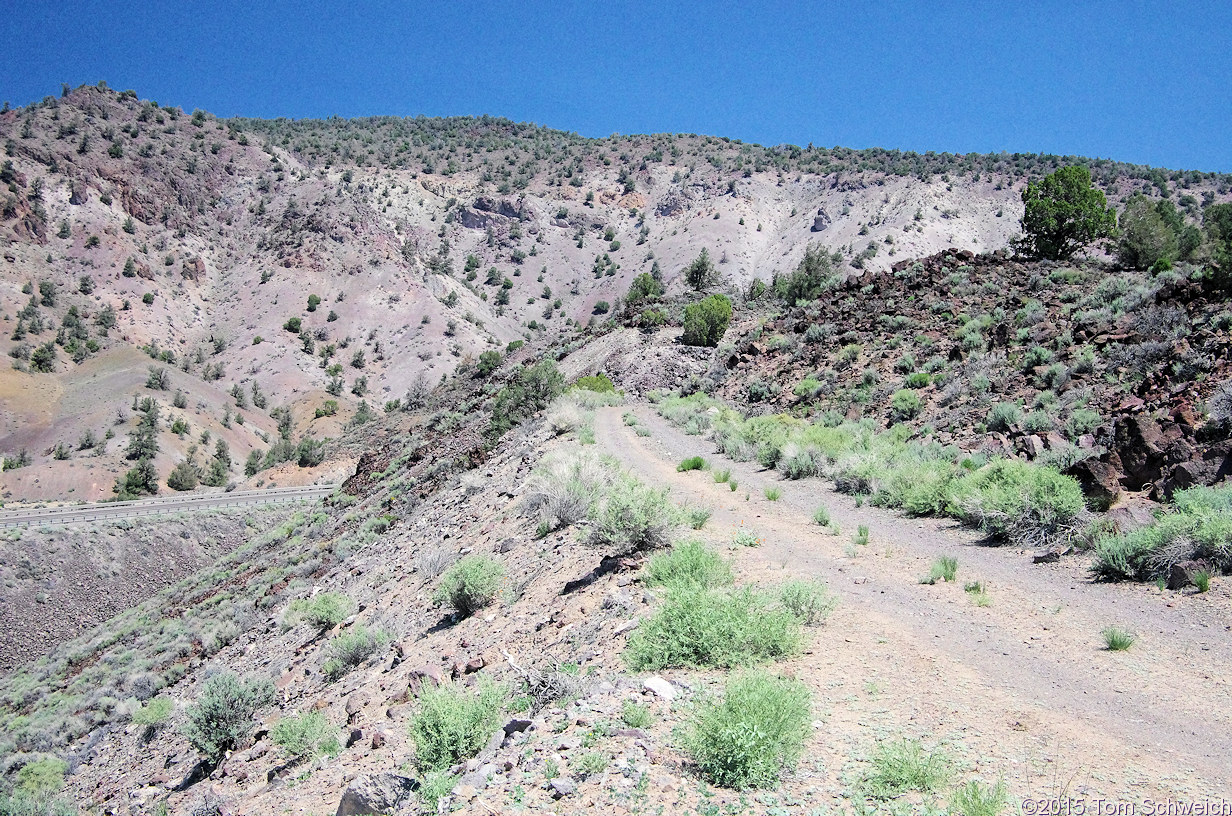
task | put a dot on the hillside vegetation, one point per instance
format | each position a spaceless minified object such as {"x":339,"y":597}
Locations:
{"x":676,"y":474}
{"x":331,"y":269}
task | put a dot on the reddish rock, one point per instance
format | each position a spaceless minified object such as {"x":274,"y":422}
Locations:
{"x":420,"y":675}
{"x":193,"y":270}
{"x":1131,"y":516}
{"x":1182,"y":575}
{"x":1100,"y":481}
{"x":1054,"y":441}
{"x":1030,"y":446}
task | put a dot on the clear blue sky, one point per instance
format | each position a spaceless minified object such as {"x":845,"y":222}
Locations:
{"x":1146,"y":82}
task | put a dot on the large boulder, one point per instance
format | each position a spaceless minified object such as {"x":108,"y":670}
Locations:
{"x":1101,"y":484}
{"x":1144,"y":448}
{"x":376,"y":794}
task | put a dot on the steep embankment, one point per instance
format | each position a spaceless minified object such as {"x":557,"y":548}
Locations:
{"x":59,"y":582}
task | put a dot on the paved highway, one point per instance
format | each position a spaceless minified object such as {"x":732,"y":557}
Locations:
{"x":105,"y":511}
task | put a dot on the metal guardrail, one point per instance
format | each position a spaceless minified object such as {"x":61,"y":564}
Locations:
{"x":100,"y":511}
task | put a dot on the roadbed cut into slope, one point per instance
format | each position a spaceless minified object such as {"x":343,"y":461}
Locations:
{"x":1028,"y":670}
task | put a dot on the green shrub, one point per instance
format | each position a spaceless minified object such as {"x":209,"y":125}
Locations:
{"x":696,"y":517}
{"x":293,"y":325}
{"x":808,"y":388}
{"x":435,"y":785}
{"x":184,"y":476}
{"x":1027,"y":504}
{"x":721,"y":476}
{"x":860,"y":539}
{"x":599,"y":383}
{"x":1082,"y":421}
{"x":306,"y":736}
{"x":452,"y":723}
{"x":1035,"y":357}
{"x":687,"y":564}
{"x":351,"y":648}
{"x":978,"y":799}
{"x":691,"y":463}
{"x":821,"y":517}
{"x":904,"y":405}
{"x":1202,"y":580}
{"x":773,"y":493}
{"x":719,"y":628}
{"x":155,"y":713}
{"x":812,"y":276}
{"x":810,"y":601}
{"x":1004,"y":417}
{"x":643,"y":290}
{"x":746,"y":738}
{"x":1117,"y":639}
{"x":1197,"y":528}
{"x":635,"y":715}
{"x":1038,"y":422}
{"x":631,"y":517}
{"x":920,"y":379}
{"x":945,"y":569}
{"x":592,"y":763}
{"x":901,"y":766}
{"x":322,"y":611}
{"x":531,"y":389}
{"x":222,"y":717}
{"x":42,"y":777}
{"x":470,"y":585}
{"x":747,"y":538}
{"x":489,"y":361}
{"x":706,"y":321}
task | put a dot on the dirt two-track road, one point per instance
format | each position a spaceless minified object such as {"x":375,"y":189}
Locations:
{"x":1021,"y":689}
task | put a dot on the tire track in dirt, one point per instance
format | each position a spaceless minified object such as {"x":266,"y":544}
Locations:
{"x":1028,"y":670}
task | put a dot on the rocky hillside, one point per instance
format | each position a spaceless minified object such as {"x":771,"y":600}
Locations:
{"x":336,"y":263}
{"x":482,"y":624}
{"x":1109,"y":374}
